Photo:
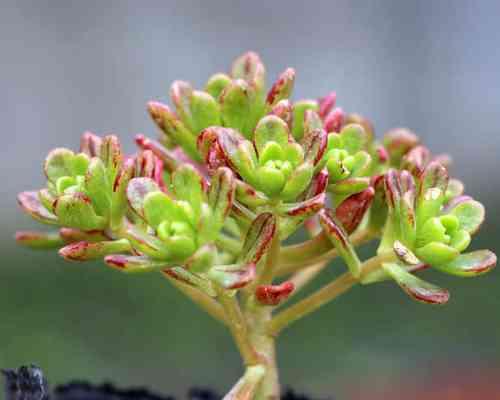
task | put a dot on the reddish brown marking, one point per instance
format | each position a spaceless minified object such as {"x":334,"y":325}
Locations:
{"x":272,"y":295}
{"x":428,"y":296}
{"x":352,"y":210}
{"x":326,"y":104}
{"x":382,"y":154}
{"x":328,"y":223}
{"x":309,"y":206}
{"x":116,"y":261}
{"x":335,"y":120}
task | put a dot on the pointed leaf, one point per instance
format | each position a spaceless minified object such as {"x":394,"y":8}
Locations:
{"x":111,"y":155}
{"x":416,"y":288}
{"x":314,"y":143}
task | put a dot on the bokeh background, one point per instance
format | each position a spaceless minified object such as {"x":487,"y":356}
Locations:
{"x":67,"y":66}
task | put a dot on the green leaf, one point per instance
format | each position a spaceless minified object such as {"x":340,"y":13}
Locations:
{"x":258,"y":238}
{"x":221,"y":194}
{"x":216,"y":84}
{"x":119,"y":199}
{"x":469,"y":212}
{"x":202,"y":260}
{"x":76,"y":211}
{"x":416,"y":288}
{"x":470,"y":264}
{"x":354,"y":138}
{"x":282,"y":88}
{"x":31,"y":204}
{"x":297,"y":182}
{"x":436,"y":253}
{"x":270,"y":129}
{"x":205,"y":111}
{"x":299,"y":110}
{"x":158,"y":207}
{"x":84,"y":251}
{"x":97,"y":186}
{"x":188,"y":185}
{"x":236,"y":106}
{"x":233,"y":276}
{"x":133,"y":264}
{"x":40,"y":240}
{"x":111,"y":155}
{"x":250,"y":68}
{"x":62,"y":162}
{"x":340,"y":239}
{"x":181,"y":94}
{"x":137,"y":190}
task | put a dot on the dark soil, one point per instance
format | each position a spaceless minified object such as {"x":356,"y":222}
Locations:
{"x":28,"y":383}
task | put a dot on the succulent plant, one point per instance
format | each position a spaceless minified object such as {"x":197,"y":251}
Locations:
{"x":235,"y":172}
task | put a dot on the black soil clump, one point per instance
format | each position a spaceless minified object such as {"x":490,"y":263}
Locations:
{"x":28,"y":383}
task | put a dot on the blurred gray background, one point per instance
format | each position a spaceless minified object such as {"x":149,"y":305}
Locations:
{"x":69,"y":66}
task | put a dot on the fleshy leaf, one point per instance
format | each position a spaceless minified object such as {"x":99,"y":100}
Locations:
{"x":398,"y":142}
{"x":354,"y":138}
{"x":314,"y":143}
{"x":326,"y":104}
{"x":334,"y":121}
{"x":270,"y":129}
{"x":189,"y":185}
{"x":282,"y":88}
{"x":352,"y":210}
{"x":436,"y":253}
{"x":90,"y":144}
{"x":83,"y":251}
{"x":119,"y":195}
{"x":305,"y":208}
{"x":40,"y":240}
{"x":469,"y":212}
{"x":111,"y":155}
{"x":158,"y":207}
{"x":233,"y":276}
{"x":340,"y":239}
{"x":146,"y":243}
{"x":236,"y":106}
{"x":98,"y":187}
{"x":76,"y":211}
{"x":173,"y":127}
{"x":299,"y":109}
{"x":416,"y":288}
{"x":221,"y":194}
{"x":216,"y":84}
{"x":470,"y":264}
{"x":133,"y":264}
{"x":297,"y":182}
{"x":202,"y":260}
{"x":258,"y":238}
{"x":416,"y":160}
{"x":30,"y":203}
{"x":272,"y":295}
{"x":284,"y":110}
{"x":250,"y":68}
{"x":137,"y":190}
{"x":62,"y":162}
{"x":247,"y":195}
